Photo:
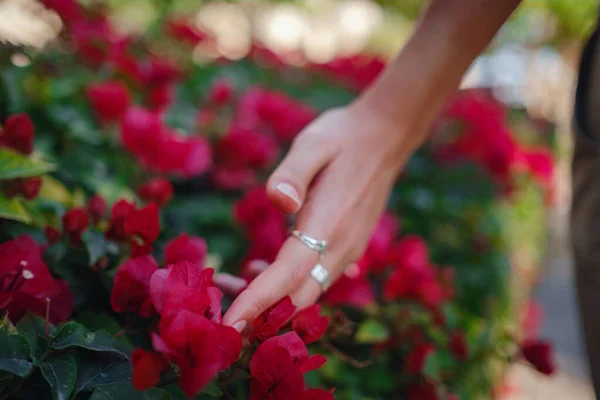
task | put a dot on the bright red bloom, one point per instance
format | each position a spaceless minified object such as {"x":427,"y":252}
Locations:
{"x":350,"y":291}
{"x":185,"y":248}
{"x":53,"y":234}
{"x":158,"y":190}
{"x":18,"y":133}
{"x":75,"y":222}
{"x":376,"y":256}
{"x":180,"y":29}
{"x":411,"y":252}
{"x":131,"y":287}
{"x":229,"y":177}
{"x":255,"y":207}
{"x":158,"y":71}
{"x":539,"y":354}
{"x":268,"y":323}
{"x":422,"y":391}
{"x":243,"y":146}
{"x":110,"y":100}
{"x":317,"y":394}
{"x":198,"y":346}
{"x":459,"y":346}
{"x":277,"y":367}
{"x":26,"y":283}
{"x":66,"y":9}
{"x":415,"y":360}
{"x":309,"y":324}
{"x":221,"y":92}
{"x":160,"y":97}
{"x":96,"y":207}
{"x":540,"y":163}
{"x":142,"y":227}
{"x":147,"y":367}
{"x":120,"y":210}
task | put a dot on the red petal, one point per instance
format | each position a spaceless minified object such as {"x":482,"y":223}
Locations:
{"x":147,"y":367}
{"x":313,"y":362}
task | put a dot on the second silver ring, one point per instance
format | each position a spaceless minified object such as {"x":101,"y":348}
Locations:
{"x":314,"y":244}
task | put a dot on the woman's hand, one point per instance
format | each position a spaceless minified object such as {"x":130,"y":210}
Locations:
{"x":337,"y":176}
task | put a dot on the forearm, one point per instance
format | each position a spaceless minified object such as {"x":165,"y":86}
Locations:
{"x":449,"y":36}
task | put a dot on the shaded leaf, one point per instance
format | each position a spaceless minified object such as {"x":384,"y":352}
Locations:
{"x":73,"y":334}
{"x":125,"y":391}
{"x":95,"y":244}
{"x":13,"y":209}
{"x":212,"y":389}
{"x":14,"y":355}
{"x":96,"y":369}
{"x":372,"y":331}
{"x":33,"y":329}
{"x":14,"y":165}
{"x":60,"y":372}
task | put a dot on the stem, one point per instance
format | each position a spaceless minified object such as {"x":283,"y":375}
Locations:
{"x":229,"y":396}
{"x":345,"y":357}
{"x":47,"y":321}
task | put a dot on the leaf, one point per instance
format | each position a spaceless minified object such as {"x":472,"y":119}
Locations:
{"x":61,"y":373}
{"x":13,"y":209}
{"x":95,"y":244}
{"x":212,"y":389}
{"x":55,"y":191}
{"x":33,"y":329}
{"x":73,"y":334}
{"x":14,"y":355}
{"x":14,"y":165}
{"x":372,"y":331}
{"x":96,"y":369}
{"x":125,"y":391}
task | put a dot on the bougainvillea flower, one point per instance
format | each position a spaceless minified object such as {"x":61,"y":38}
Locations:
{"x":540,"y":163}
{"x":198,"y":346}
{"x":309,"y":324}
{"x":131,"y":286}
{"x":459,"y":346}
{"x":376,"y":256}
{"x":231,"y":177}
{"x":425,"y":390}
{"x":221,"y":92}
{"x":53,"y":234}
{"x":140,"y":130}
{"x":120,"y":210}
{"x":277,"y":367}
{"x":26,"y":283}
{"x":244,"y":146}
{"x":110,"y":100}
{"x":539,"y":353}
{"x":268,"y":323}
{"x":158,"y":190}
{"x":96,"y":207}
{"x":350,"y":291}
{"x":75,"y":221}
{"x":17,"y":133}
{"x":147,"y":367}
{"x":317,"y":394}
{"x":181,"y":30}
{"x":160,"y":97}
{"x":255,"y":207}
{"x":415,"y":360}
{"x":66,"y":9}
{"x":186,"y":248}
{"x":410,"y":252}
{"x":159,"y":71}
{"x":29,"y":188}
{"x":142,"y":227}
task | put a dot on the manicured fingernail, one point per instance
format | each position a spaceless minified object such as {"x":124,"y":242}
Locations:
{"x":289,"y":191}
{"x":239,"y":326}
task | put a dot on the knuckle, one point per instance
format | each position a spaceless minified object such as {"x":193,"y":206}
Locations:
{"x":258,"y":300}
{"x":298,"y":273}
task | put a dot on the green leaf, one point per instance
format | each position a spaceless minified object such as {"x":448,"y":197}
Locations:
{"x":14,"y":165}
{"x":212,"y":389}
{"x":73,"y":334}
{"x":372,"y":331}
{"x":33,"y":329}
{"x":95,"y":244}
{"x":13,"y":209}
{"x":61,"y":373}
{"x":14,"y":355}
{"x":95,"y":369}
{"x":125,"y":391}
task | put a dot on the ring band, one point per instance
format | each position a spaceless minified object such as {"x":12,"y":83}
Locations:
{"x":321,"y":275}
{"x":313,"y":244}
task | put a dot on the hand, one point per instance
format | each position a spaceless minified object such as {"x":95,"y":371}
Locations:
{"x":337,"y":176}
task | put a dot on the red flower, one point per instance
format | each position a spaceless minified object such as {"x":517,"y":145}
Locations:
{"x":131,"y":286}
{"x":309,"y":324}
{"x":53,"y":234}
{"x":198,"y":346}
{"x":317,"y":394}
{"x":221,"y":92}
{"x":411,"y":252}
{"x":75,"y":221}
{"x":229,"y":177}
{"x":272,"y":319}
{"x":18,"y":133}
{"x":26,"y":283}
{"x":459,"y":346}
{"x":277,"y":367}
{"x":120,"y":210}
{"x":29,"y":188}
{"x":160,"y":97}
{"x":422,"y":391}
{"x":255,"y":207}
{"x":109,"y":100}
{"x":158,"y":190}
{"x":96,"y":207}
{"x":142,"y":227}
{"x":539,"y":354}
{"x":180,"y":29}
{"x":66,"y":9}
{"x":186,"y":248}
{"x":243,"y":146}
{"x":376,"y":256}
{"x":185,"y":286}
{"x":415,"y":360}
{"x":356,"y":292}
{"x":540,"y":163}
{"x":147,"y":367}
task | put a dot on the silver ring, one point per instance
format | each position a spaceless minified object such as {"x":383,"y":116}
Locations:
{"x":311,"y":243}
{"x":321,"y":275}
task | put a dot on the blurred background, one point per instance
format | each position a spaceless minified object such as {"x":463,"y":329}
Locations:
{"x":531,"y":66}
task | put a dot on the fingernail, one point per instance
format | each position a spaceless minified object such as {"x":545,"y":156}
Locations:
{"x":289,"y":191}
{"x":239,"y":326}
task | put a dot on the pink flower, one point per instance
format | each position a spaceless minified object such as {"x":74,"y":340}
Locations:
{"x":158,"y":190}
{"x":309,"y":324}
{"x":186,"y":248}
{"x":356,"y":292}
{"x":221,"y":92}
{"x":142,"y":227}
{"x":243,"y":146}
{"x":272,"y":319}
{"x":131,"y":287}
{"x":109,"y":100}
{"x":147,"y":367}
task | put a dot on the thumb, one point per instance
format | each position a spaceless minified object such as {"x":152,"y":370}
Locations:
{"x":288,"y":185}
